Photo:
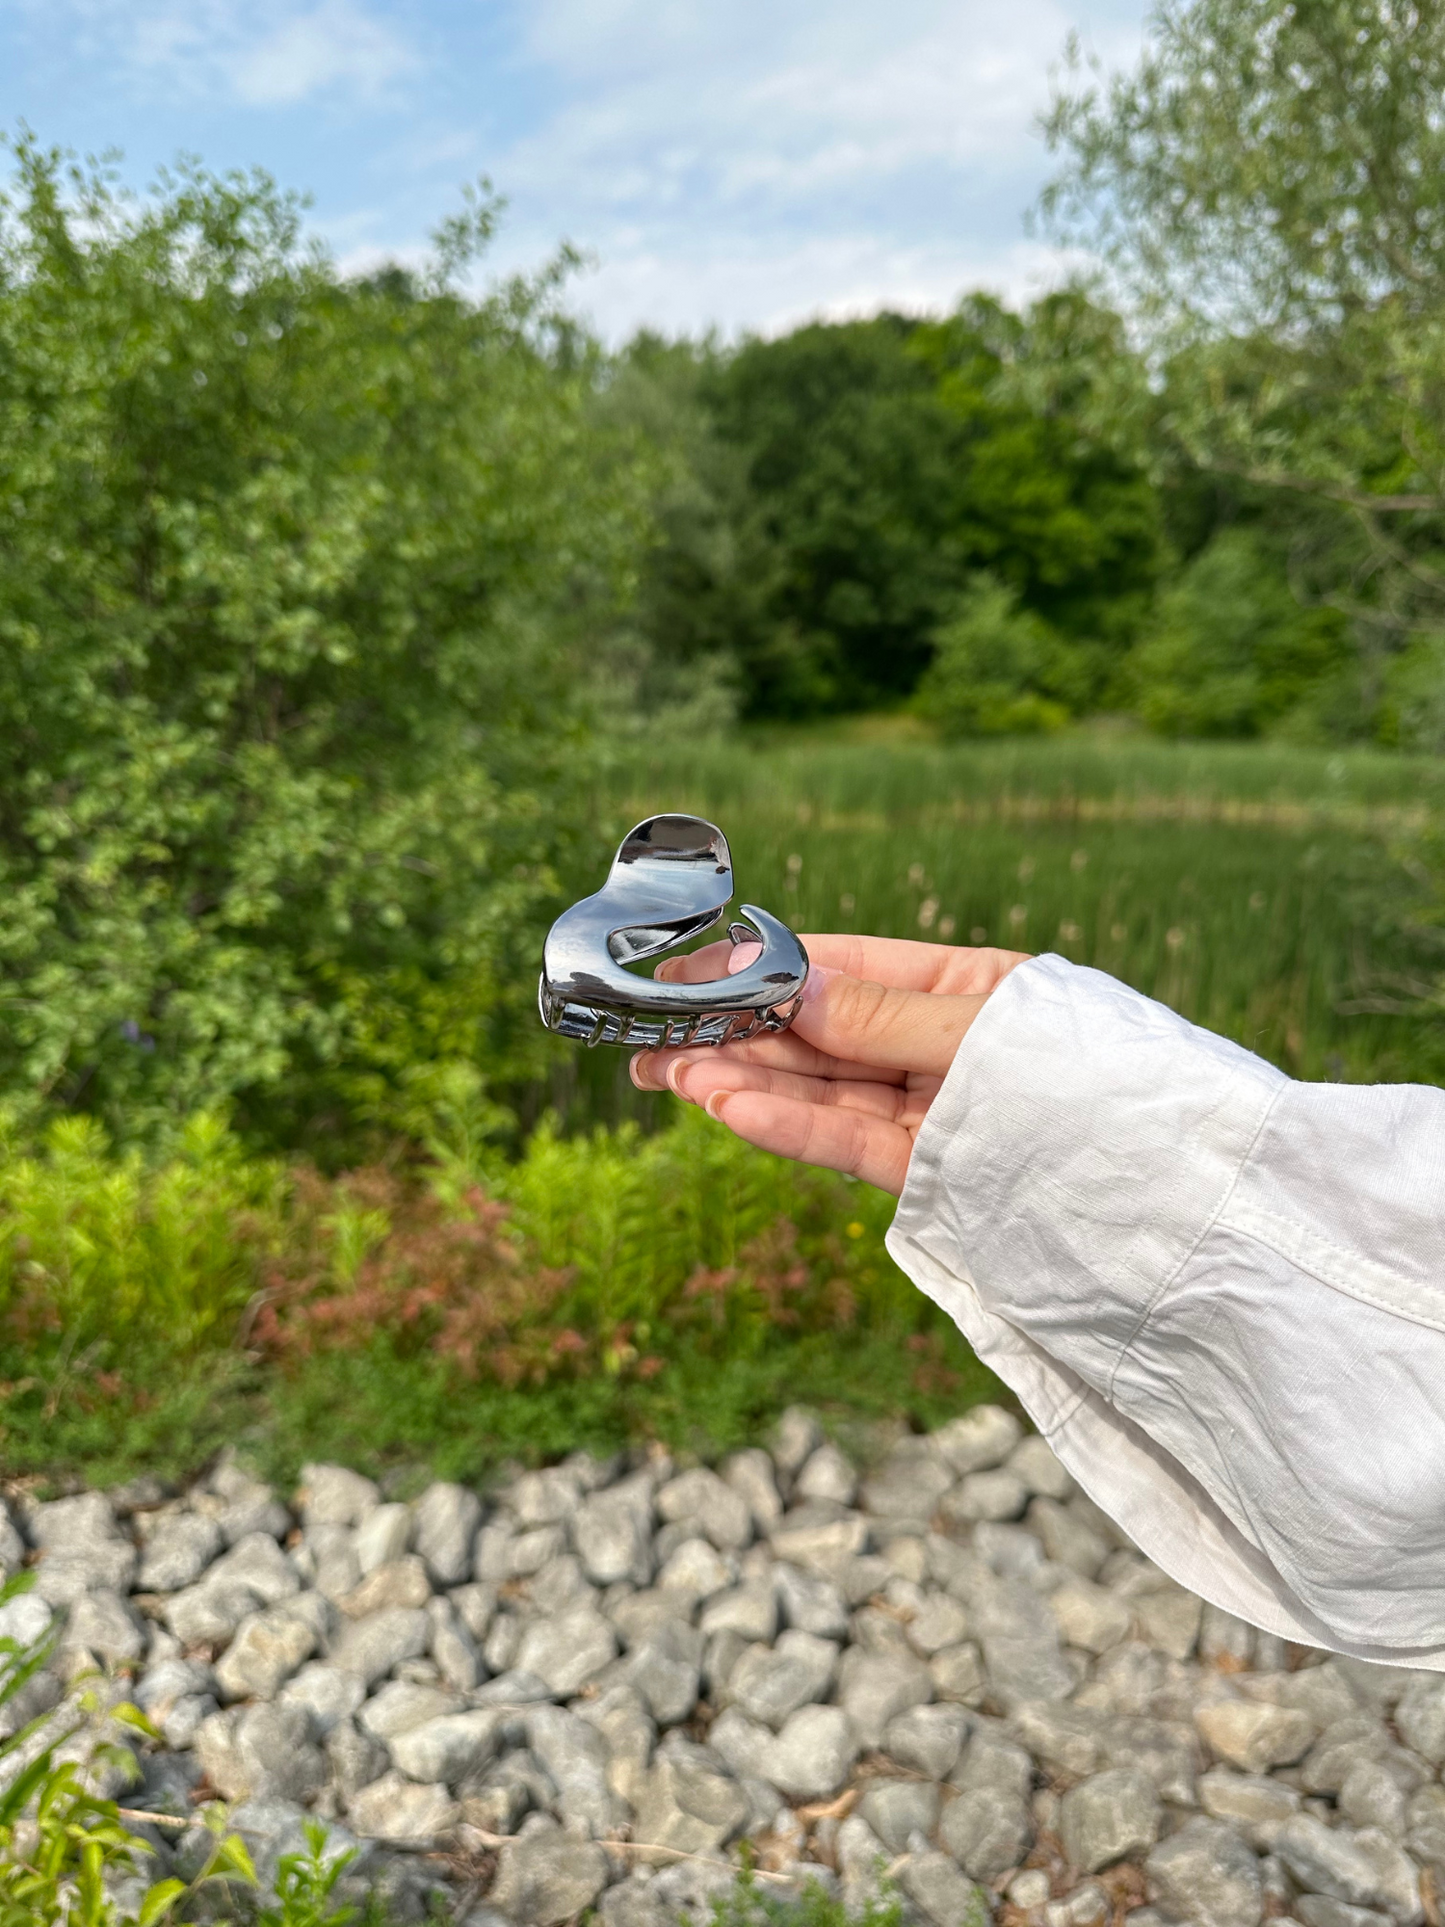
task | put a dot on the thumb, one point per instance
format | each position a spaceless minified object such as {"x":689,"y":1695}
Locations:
{"x":867,"y":1023}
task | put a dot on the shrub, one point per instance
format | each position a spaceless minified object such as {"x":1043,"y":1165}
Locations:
{"x":992,"y":666}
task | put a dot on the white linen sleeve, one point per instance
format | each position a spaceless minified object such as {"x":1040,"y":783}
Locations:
{"x":1219,"y":1294}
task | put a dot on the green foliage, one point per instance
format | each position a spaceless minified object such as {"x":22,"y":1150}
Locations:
{"x":991,"y":665}
{"x":749,"y":1904}
{"x":306,"y":1885}
{"x":290,"y":573}
{"x":1231,"y":652}
{"x":1267,"y":182}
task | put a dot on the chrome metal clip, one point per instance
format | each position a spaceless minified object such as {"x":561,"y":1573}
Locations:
{"x":671,"y":879}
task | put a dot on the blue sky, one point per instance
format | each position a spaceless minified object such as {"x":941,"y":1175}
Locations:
{"x":742,"y":165}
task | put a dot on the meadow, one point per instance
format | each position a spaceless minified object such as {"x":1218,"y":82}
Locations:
{"x":625,"y":1269}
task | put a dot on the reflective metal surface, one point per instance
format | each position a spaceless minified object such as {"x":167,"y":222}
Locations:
{"x":670,"y":880}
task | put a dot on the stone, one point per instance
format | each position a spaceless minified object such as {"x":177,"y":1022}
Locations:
{"x":897,"y":1809}
{"x":545,"y":1878}
{"x":74,"y":1568}
{"x":400,"y":1582}
{"x":474,"y":1605}
{"x":613,"y":1538}
{"x":941,"y":1893}
{"x":987,"y":1831}
{"x":1223,"y":1637}
{"x":401,"y":1704}
{"x":927,"y":1738}
{"x":796,"y":1436}
{"x":447,"y":1749}
{"x":567,"y":1651}
{"x":258,"y":1562}
{"x":665,"y":1670}
{"x":102,"y":1623}
{"x":1342,"y":1746}
{"x":1372,"y":1796}
{"x":445,"y":1524}
{"x":1315,"y":1910}
{"x":383,"y":1536}
{"x":990,"y":1762}
{"x":333,"y":1496}
{"x":1397,"y":1878}
{"x":1258,"y":1807}
{"x":268,"y":1648}
{"x":1330,"y":1861}
{"x":696,"y":1569}
{"x":908,"y":1486}
{"x":1425,"y":1829}
{"x":326,"y":1559}
{"x":353,"y":1758}
{"x":770,"y":1682}
{"x":395,"y":1808}
{"x":818,"y":1545}
{"x":750,"y":1474}
{"x":742,"y":1743}
{"x":575,"y":1755}
{"x":702,"y":1499}
{"x":1107,"y":1816}
{"x":688,"y":1806}
{"x":1206,"y":1874}
{"x":1034,"y":1461}
{"x":979,"y":1440}
{"x":1068,"y":1739}
{"x":633,"y":1903}
{"x":546,"y":1498}
{"x":1420,"y":1717}
{"x":327,"y":1692}
{"x":25,"y":1618}
{"x":985,"y":1495}
{"x":1169,"y":1619}
{"x":261,"y":1752}
{"x":873,"y":1687}
{"x":1090,"y":1617}
{"x":938,"y":1622}
{"x":1167,"y":1751}
{"x":957,"y":1673}
{"x":810,"y":1758}
{"x":209,"y":1613}
{"x":810,"y":1602}
{"x":1254,"y":1737}
{"x":372,"y":1646}
{"x":453,"y":1647}
{"x":829,"y":1475}
{"x":751,"y":1610}
{"x":177,"y":1552}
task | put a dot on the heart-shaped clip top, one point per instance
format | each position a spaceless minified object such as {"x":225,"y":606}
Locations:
{"x":670,"y":880}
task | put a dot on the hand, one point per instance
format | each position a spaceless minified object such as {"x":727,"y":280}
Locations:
{"x":850,"y":1083}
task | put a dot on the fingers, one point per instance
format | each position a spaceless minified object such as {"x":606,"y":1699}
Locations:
{"x":717,"y":1076}
{"x":652,"y":1070}
{"x":896,"y":962}
{"x":901,"y":1030}
{"x":870,"y":1148}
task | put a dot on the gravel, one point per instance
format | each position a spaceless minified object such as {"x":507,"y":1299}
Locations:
{"x":942,"y":1668}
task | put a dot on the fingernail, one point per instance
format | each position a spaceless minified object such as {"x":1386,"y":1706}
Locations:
{"x":674,"y":1079}
{"x":714,"y":1105}
{"x":819,"y":977}
{"x":742,"y":955}
{"x":634,"y":1065}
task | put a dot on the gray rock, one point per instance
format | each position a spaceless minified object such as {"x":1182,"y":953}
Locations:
{"x":401,"y":1582}
{"x":263,"y":1752}
{"x":1342,"y":1746}
{"x":1067,"y":1539}
{"x":354,"y":1758}
{"x":328,"y":1693}
{"x":395,"y":1808}
{"x":810,"y":1602}
{"x":575,"y":1756}
{"x":992,"y":1763}
{"x":1166,"y":1750}
{"x":474,"y":1605}
{"x":770,"y":1682}
{"x":1012,"y":1552}
{"x":696,"y":1569}
{"x":819,"y":1545}
{"x":957,"y":1673}
{"x":101,"y":1622}
{"x":828,"y":1475}
{"x":383,"y":1535}
{"x":987,"y":1831}
{"x":796,"y":1436}
{"x":897,"y":1809}
{"x":1314,"y":1910}
{"x":402,"y":1704}
{"x":209,"y":1613}
{"x":979,"y":1440}
{"x":333,"y":1496}
{"x":1107,"y":1816}
{"x":567,"y":1651}
{"x":750,"y":1610}
{"x":1372,"y":1796}
{"x":1331,"y":1861}
{"x":633,"y":1903}
{"x":1258,"y":1807}
{"x":246,"y":1505}
{"x":909,"y":1486}
{"x":1420,"y":1717}
{"x":613,"y":1538}
{"x":371,"y":1647}
{"x":665,"y":1670}
{"x":72,"y":1569}
{"x":273,"y":1829}
{"x":1397,"y":1878}
{"x":168,"y":1680}
{"x":1206,"y":1873}
{"x":1034,"y":1461}
{"x":688,"y":1806}
{"x":25,"y":1618}
{"x":874,"y":1687}
{"x":703,"y":1499}
{"x":267,"y":1649}
{"x":1254,"y":1737}
{"x":927,"y":1738}
{"x":941,"y":1893}
{"x":446,"y":1522}
{"x":750,"y":1474}
{"x":258,"y":1562}
{"x":742,"y":1743}
{"x":938,"y":1622}
{"x":178,"y":1551}
{"x":499,"y":1648}
{"x":811,"y":1757}
{"x":1170,"y":1620}
{"x":453,"y":1647}
{"x":511,"y":1689}
{"x":985,"y":1495}
{"x":1090,"y":1617}
{"x":546,"y":1498}
{"x":1222,"y":1636}
{"x":1425,"y":1829}
{"x":448,"y":1749}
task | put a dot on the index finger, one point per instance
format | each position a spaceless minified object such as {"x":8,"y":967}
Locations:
{"x":900,"y":963}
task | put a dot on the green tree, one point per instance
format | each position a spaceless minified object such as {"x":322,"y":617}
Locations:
{"x":1268,"y":184}
{"x":992,"y":668}
{"x":289,"y":776}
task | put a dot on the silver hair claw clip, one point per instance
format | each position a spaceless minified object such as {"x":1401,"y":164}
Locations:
{"x":671,"y":879}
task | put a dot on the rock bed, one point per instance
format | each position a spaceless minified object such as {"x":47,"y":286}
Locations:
{"x":591,"y":1686}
